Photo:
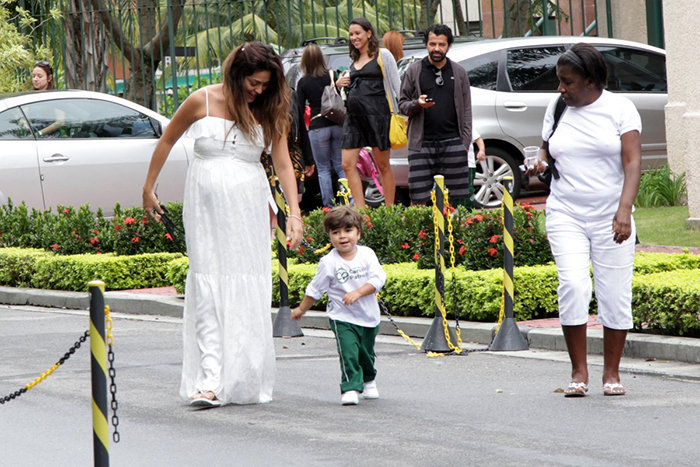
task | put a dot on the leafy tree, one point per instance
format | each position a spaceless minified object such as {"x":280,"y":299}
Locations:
{"x":17,"y":52}
{"x":140,"y":29}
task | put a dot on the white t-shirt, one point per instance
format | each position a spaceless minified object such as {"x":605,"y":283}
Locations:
{"x":337,"y":276}
{"x":587,"y":148}
{"x":471,"y":157}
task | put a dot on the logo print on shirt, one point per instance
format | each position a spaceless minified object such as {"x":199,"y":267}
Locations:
{"x":342,"y":275}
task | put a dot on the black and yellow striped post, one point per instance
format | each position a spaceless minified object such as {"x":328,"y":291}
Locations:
{"x":435,"y":340}
{"x":508,"y":336}
{"x":98,"y":369}
{"x":284,"y":325}
{"x":344,"y":190}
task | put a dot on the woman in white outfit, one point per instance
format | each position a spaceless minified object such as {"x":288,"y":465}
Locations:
{"x":597,"y":152}
{"x":228,"y":351}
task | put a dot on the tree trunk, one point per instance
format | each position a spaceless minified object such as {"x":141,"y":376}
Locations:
{"x":144,"y":51}
{"x":459,"y":16}
{"x":518,"y":18}
{"x":86,"y":46}
{"x":426,"y":19}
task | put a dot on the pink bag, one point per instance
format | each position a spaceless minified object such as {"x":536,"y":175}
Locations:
{"x":368,"y":168}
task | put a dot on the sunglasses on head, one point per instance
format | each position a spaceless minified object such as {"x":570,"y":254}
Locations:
{"x":44,"y":63}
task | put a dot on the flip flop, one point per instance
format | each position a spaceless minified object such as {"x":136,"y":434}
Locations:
{"x":576,"y":389}
{"x":614,"y":389}
{"x":203,"y":401}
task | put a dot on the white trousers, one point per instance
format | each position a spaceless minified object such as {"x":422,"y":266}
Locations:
{"x":577,"y":244}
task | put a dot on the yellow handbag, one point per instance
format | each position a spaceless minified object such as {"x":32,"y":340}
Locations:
{"x":397,"y":128}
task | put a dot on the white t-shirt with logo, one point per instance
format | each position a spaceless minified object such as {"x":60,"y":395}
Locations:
{"x":337,"y":276}
{"x":587,"y":148}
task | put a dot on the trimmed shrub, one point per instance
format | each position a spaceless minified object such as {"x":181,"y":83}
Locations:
{"x":177,"y":273}
{"x":668,"y":302}
{"x":44,"y":270}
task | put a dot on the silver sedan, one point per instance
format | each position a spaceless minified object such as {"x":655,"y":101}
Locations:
{"x":70,"y":148}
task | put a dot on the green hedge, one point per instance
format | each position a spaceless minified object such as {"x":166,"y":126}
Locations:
{"x":40,"y":269}
{"x":409,"y":291}
{"x":668,"y":302}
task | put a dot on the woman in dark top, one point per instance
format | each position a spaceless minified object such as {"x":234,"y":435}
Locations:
{"x":368,"y":118}
{"x":324,"y":135}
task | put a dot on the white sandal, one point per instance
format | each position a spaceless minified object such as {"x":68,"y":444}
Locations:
{"x":576,"y":389}
{"x":614,"y":389}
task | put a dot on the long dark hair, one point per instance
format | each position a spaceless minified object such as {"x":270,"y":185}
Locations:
{"x":372,"y":47}
{"x":270,"y":108}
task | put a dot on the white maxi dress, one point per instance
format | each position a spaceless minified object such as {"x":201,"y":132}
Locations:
{"x":227,"y":329}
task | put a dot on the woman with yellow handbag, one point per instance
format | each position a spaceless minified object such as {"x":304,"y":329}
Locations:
{"x":373,"y":85}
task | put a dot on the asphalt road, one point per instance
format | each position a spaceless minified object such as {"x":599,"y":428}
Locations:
{"x":484,"y":409}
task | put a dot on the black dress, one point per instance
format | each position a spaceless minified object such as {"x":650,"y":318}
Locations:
{"x":368,"y":119}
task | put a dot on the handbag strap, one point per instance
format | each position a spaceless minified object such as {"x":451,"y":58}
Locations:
{"x":330,"y":72}
{"x":386,"y":87}
{"x":558,"y":112}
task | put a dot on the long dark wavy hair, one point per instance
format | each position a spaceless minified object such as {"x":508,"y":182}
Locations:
{"x":271,"y":108}
{"x":372,"y":47}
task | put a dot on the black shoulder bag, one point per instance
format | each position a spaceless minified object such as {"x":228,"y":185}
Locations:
{"x":551,"y":171}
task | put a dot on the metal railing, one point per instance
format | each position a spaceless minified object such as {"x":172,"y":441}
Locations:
{"x":155,"y":52}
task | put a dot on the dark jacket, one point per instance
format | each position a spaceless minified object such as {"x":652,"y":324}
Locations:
{"x":408,"y":104}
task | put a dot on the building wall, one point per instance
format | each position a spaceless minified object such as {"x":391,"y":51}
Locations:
{"x":682,"y":34}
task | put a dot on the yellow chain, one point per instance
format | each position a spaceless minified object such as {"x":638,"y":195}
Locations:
{"x":502,"y":311}
{"x":441,"y":305}
{"x":47,"y":373}
{"x":108,"y":318}
{"x":320,"y":251}
{"x":345,"y":195}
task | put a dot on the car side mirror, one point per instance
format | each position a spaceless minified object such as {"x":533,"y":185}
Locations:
{"x":157,"y":127}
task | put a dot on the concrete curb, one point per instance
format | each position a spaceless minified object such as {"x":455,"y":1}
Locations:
{"x":644,"y":346}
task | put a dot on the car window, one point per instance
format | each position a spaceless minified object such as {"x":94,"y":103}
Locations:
{"x":88,"y":118}
{"x":482,"y":70}
{"x":534,"y":69}
{"x":633,"y":70}
{"x":13,"y":125}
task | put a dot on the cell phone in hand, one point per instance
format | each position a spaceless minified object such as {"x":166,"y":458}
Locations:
{"x":429,"y":99}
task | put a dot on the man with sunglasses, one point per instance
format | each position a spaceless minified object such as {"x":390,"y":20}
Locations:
{"x":436,"y":97}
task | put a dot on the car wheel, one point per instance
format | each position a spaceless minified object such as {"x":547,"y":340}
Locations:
{"x":373,"y":197}
{"x":488,"y":182}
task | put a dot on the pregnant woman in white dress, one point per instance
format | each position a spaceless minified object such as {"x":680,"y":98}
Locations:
{"x":228,"y":351}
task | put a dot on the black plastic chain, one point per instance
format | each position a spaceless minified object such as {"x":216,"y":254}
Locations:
{"x":172,"y":229}
{"x":113,"y":391}
{"x":60,"y":362}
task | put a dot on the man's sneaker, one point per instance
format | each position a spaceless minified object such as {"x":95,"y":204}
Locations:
{"x":370,"y":390}
{"x":350,"y":398}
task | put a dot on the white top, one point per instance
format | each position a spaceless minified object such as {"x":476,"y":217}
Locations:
{"x":471,"y":157}
{"x":587,"y":148}
{"x":336,"y":277}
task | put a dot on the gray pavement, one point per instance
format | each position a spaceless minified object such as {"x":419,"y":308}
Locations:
{"x":484,"y":409}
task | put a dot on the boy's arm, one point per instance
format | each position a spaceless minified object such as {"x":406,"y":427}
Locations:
{"x":305,"y":305}
{"x":352,"y":297}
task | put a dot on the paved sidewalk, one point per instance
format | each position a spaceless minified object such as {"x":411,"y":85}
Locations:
{"x":543,"y":334}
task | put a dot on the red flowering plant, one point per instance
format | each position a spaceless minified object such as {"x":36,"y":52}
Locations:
{"x":133,"y":231}
{"x":389,"y":231}
{"x":481,"y":244}
{"x":70,"y":231}
{"x":315,"y":238}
